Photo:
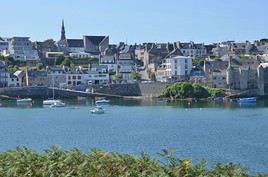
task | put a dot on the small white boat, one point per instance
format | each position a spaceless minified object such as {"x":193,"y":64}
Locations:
{"x":102,"y":100}
{"x":248,"y":100}
{"x":24,"y":101}
{"x":50,"y":102}
{"x":97,"y":110}
{"x":58,"y":104}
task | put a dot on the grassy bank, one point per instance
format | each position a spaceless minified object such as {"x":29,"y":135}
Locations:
{"x":56,"y":162}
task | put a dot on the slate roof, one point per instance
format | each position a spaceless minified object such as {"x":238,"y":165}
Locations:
{"x":76,"y":43}
{"x":95,"y":39}
{"x":191,"y":45}
{"x":109,"y":51}
{"x":175,"y":52}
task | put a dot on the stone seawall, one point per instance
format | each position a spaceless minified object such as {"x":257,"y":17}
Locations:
{"x":128,"y":90}
{"x":24,"y":92}
{"x":144,"y":90}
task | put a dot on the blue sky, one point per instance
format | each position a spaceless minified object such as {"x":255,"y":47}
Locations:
{"x":137,"y":20}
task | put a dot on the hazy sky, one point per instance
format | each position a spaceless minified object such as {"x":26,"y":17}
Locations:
{"x":137,"y":20}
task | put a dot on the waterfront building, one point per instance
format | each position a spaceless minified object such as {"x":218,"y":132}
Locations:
{"x":35,"y":78}
{"x":74,"y":78}
{"x":56,"y":77}
{"x":21,"y":49}
{"x":14,"y":81}
{"x":97,"y":76}
{"x":247,"y":75}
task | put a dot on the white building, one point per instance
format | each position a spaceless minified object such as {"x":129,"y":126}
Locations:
{"x":97,"y":76}
{"x":109,"y":59}
{"x":3,"y":45}
{"x":74,"y":79}
{"x":21,"y":48}
{"x":218,"y":79}
{"x":176,"y":68}
{"x":14,"y":81}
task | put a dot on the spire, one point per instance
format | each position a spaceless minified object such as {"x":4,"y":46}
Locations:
{"x":63,"y":37}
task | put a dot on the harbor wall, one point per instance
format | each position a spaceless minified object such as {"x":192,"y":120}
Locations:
{"x":23,"y":92}
{"x":136,"y":89}
{"x":127,"y":90}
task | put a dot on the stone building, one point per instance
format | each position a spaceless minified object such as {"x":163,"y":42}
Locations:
{"x":247,"y":76}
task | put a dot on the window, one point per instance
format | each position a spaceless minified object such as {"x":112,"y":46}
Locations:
{"x":79,"y":77}
{"x":74,"y":77}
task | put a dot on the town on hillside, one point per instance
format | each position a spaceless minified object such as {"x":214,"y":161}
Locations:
{"x":92,"y":60}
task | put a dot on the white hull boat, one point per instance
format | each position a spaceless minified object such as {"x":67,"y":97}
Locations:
{"x":53,"y":103}
{"x":57,"y":105}
{"x":97,"y":110}
{"x":25,"y":101}
{"x":102,"y":101}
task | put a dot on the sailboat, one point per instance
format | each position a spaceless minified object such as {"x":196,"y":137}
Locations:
{"x":51,"y":102}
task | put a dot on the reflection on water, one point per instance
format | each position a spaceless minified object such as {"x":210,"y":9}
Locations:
{"x":144,"y":102}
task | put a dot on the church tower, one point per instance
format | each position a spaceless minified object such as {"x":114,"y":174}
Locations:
{"x":62,"y":43}
{"x":63,"y":36}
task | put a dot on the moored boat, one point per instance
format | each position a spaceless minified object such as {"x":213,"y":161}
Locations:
{"x":24,"y":101}
{"x":50,"y":102}
{"x":247,"y":100}
{"x":102,"y":100}
{"x":97,"y":110}
{"x":58,"y":104}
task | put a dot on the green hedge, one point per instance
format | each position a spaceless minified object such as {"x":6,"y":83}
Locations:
{"x":188,"y":90}
{"x":55,"y":162}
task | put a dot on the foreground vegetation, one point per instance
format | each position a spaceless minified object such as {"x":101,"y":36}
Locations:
{"x":188,"y":90}
{"x":23,"y":162}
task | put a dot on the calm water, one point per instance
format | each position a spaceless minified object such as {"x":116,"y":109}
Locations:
{"x":214,"y":132}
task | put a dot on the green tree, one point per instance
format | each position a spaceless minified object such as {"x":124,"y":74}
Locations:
{"x":134,"y":75}
{"x":216,"y":92}
{"x":59,"y":59}
{"x":200,"y":91}
{"x":67,"y":61}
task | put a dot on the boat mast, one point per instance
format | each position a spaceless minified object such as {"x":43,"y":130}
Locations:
{"x":53,"y":91}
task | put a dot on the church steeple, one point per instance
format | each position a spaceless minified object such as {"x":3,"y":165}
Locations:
{"x":63,"y":36}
